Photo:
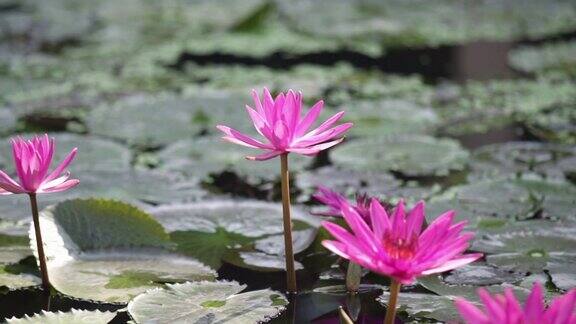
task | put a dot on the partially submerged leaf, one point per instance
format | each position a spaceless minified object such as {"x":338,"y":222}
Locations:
{"x":411,"y":155}
{"x":110,"y":251}
{"x":219,"y":301}
{"x":424,"y":306}
{"x":75,"y":316}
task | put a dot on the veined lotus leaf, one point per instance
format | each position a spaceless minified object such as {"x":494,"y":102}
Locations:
{"x":75,"y":316}
{"x":389,"y":117}
{"x":437,"y":285}
{"x":410,"y":155}
{"x":557,"y":57}
{"x":110,"y":251}
{"x":549,"y":160}
{"x":93,"y":153}
{"x":211,"y":155}
{"x":428,"y":23}
{"x":506,"y":198}
{"x":556,"y":123}
{"x":533,"y":246}
{"x":214,"y":231}
{"x":424,"y":306}
{"x":351,"y":182}
{"x":483,"y":106}
{"x":220,"y":301}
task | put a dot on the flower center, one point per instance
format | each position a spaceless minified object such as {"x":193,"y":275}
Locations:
{"x":400,"y":247}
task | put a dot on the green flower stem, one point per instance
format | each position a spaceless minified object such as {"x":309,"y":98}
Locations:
{"x":39,"y":243}
{"x":288,"y":250}
{"x":392,"y":302}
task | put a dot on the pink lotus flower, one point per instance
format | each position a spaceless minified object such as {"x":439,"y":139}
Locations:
{"x":505,"y":309}
{"x":279,"y":122}
{"x":396,"y":246}
{"x":32,"y":159}
{"x":335,"y":201}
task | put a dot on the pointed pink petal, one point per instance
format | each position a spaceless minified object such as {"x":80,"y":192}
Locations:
{"x":309,"y":119}
{"x":326,"y":125}
{"x":470,"y":313}
{"x":454,"y":263}
{"x":322,"y":137}
{"x":379,"y":219}
{"x":258,"y":103}
{"x":416,"y":219}
{"x":265,"y":156}
{"x":10,"y":185}
{"x":247,"y":140}
{"x":60,"y":168}
{"x":534,"y":305}
{"x":313,"y":150}
{"x":62,"y":187}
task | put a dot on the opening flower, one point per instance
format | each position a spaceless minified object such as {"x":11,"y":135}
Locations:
{"x":396,"y":246}
{"x":32,"y":160}
{"x":279,"y":122}
{"x":505,"y":309}
{"x":335,"y":201}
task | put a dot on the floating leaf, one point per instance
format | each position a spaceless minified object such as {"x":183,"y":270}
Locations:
{"x":389,"y":117}
{"x":549,"y":160}
{"x":555,"y":123}
{"x":478,"y":274}
{"x":351,"y":182}
{"x":75,"y":316}
{"x":501,"y":199}
{"x":550,"y":57}
{"x":245,"y":233}
{"x":424,"y":306}
{"x":412,"y":156}
{"x":207,"y":155}
{"x":219,"y":301}
{"x":110,"y":251}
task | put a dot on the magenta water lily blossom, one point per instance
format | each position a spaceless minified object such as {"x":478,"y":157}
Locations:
{"x":505,"y":309}
{"x":32,"y":160}
{"x":397,"y":247}
{"x":284,"y":130}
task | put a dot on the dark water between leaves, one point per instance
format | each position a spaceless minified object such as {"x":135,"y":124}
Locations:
{"x":480,"y":61}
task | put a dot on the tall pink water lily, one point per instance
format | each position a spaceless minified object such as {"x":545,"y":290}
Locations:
{"x":505,"y":309}
{"x":283,"y":128}
{"x":32,"y":160}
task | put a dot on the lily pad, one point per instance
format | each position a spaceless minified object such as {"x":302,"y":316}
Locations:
{"x":93,"y":153}
{"x":220,"y":301}
{"x":549,"y":160}
{"x":550,"y":57}
{"x":75,"y":316}
{"x":506,"y":199}
{"x":110,"y":251}
{"x":245,"y":233}
{"x":555,"y":123}
{"x":389,"y":117}
{"x":351,"y":182}
{"x":411,"y":155}
{"x":424,"y":306}
{"x":207,"y":155}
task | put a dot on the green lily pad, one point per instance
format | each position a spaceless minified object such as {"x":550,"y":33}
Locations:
{"x":504,"y":199}
{"x":109,"y":251}
{"x":549,"y":160}
{"x":207,"y":155}
{"x":93,"y":153}
{"x":555,"y":123}
{"x":245,"y":233}
{"x":220,"y":301}
{"x":424,"y":306}
{"x":438,"y":22}
{"x":351,"y":182}
{"x":389,"y":117}
{"x":75,"y":316}
{"x":550,"y":57}
{"x":411,"y":155}
{"x":483,"y":106}
{"x":478,"y":274}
